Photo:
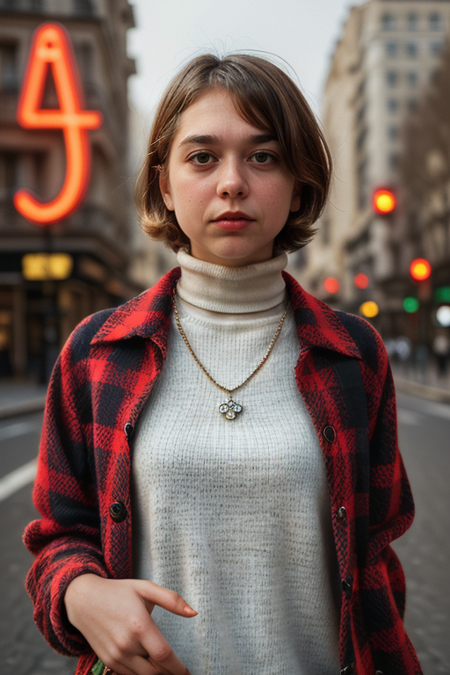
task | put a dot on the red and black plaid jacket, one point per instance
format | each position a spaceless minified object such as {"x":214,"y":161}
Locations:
{"x":100,"y":383}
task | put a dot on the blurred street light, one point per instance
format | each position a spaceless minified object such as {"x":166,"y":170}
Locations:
{"x":331,"y":285}
{"x":442,"y":294}
{"x":443,"y":316}
{"x":420,"y":269}
{"x":361,"y":281}
{"x":369,"y":309}
{"x":411,"y":305}
{"x":384,"y":201}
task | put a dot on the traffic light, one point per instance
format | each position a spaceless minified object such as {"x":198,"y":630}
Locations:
{"x":411,"y":305}
{"x":369,"y":309}
{"x":361,"y":281}
{"x":420,"y":269}
{"x":331,"y":285}
{"x":383,"y":201}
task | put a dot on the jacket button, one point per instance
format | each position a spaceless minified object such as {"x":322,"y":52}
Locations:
{"x":379,"y":672}
{"x":348,"y":670}
{"x":342,"y":512}
{"x":329,"y":434}
{"x":118,"y":512}
{"x":128,"y":429}
{"x":347,"y":586}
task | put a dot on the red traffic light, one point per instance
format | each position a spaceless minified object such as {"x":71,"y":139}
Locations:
{"x":384,"y":201}
{"x":331,"y":285}
{"x":361,"y":281}
{"x":420,"y":269}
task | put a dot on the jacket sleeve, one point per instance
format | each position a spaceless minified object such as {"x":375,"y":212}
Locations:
{"x":381,"y":592}
{"x":66,"y":540}
{"x":391,"y":504}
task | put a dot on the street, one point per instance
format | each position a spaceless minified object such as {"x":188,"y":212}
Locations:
{"x":424,"y":429}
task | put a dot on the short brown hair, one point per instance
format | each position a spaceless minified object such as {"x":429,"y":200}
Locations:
{"x":264,"y":96}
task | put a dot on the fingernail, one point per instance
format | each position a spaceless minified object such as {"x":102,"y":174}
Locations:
{"x":188,"y":610}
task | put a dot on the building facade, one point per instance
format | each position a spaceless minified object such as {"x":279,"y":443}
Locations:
{"x":384,"y":62}
{"x":38,"y":311}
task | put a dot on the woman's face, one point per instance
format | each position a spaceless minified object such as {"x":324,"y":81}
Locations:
{"x":227,"y":184}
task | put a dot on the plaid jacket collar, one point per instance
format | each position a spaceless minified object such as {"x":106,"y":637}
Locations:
{"x":148,"y":316}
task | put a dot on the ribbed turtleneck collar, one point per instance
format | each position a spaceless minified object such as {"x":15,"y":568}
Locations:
{"x":232,"y":290}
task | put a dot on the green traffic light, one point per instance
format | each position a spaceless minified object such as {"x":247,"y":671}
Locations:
{"x":442,"y":294}
{"x":410,"y":305}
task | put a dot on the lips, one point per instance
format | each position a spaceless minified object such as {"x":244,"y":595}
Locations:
{"x":233,"y":221}
{"x":233,"y":215}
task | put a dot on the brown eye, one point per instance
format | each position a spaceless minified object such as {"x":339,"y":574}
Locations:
{"x":201,"y":158}
{"x":262,"y":157}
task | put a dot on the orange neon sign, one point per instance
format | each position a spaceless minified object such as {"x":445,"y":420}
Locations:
{"x":51,"y":48}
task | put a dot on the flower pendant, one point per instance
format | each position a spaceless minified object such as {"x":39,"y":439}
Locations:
{"x":229,"y":409}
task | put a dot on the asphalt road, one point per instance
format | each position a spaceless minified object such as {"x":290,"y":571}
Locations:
{"x":424,"y":429}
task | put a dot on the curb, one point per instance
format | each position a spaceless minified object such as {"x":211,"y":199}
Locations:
{"x":422,"y":390}
{"x":34,"y":405}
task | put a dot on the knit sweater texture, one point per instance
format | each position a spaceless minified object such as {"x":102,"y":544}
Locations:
{"x":235,"y":515}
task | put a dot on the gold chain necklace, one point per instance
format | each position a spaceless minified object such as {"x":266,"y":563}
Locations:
{"x":229,"y":409}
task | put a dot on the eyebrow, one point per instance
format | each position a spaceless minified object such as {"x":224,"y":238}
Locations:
{"x":212,"y":139}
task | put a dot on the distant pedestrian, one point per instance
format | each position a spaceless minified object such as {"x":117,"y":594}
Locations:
{"x":224,"y":438}
{"x":441,"y":350}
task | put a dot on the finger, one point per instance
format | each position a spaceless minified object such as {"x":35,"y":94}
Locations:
{"x":142,"y":666}
{"x":160,"y":653}
{"x":165,"y":598}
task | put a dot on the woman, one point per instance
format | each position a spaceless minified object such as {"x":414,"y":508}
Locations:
{"x":265,"y":482}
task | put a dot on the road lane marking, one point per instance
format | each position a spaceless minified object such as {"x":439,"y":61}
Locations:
{"x":17,"y":479}
{"x":17,"y":429}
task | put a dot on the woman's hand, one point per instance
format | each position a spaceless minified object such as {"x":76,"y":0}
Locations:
{"x":114,"y":615}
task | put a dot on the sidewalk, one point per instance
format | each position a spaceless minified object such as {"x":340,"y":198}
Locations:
{"x":422,"y":382}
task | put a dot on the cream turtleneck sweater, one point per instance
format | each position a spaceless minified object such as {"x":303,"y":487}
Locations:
{"x":235,"y":515}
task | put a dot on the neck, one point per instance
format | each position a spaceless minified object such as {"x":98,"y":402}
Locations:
{"x":232,"y":290}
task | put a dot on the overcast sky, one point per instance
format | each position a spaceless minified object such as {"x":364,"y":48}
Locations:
{"x":168,"y":32}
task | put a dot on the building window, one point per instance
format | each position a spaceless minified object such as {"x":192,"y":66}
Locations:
{"x":412,"y":21}
{"x":388,"y":22}
{"x":361,"y":139}
{"x":412,"y":49}
{"x":435,"y":21}
{"x":391,"y":49}
{"x":360,"y":114}
{"x":391,"y":77}
{"x":8,"y":175}
{"x":361,"y":88}
{"x":393,"y":161}
{"x":392,"y":105}
{"x":9,"y":80}
{"x":85,"y":58}
{"x":392,"y":133}
{"x":412,"y":78}
{"x":412,"y":104}
{"x":436,"y":47}
{"x":83,"y":7}
{"x":362,"y":184}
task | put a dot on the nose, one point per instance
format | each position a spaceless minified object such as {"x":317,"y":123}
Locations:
{"x":232,"y":181}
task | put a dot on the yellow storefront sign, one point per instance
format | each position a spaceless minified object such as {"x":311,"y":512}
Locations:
{"x":45,"y":266}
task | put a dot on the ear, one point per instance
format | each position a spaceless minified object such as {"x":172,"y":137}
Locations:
{"x":296,"y":197}
{"x":164,"y":187}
